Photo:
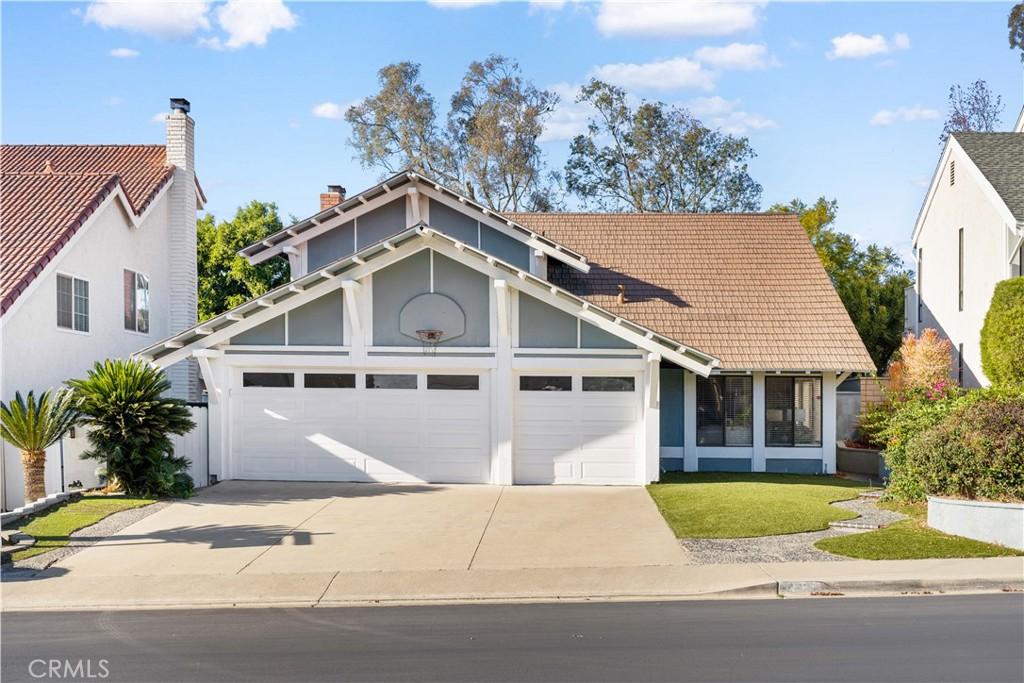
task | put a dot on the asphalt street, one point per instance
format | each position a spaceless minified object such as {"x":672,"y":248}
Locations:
{"x":936,"y":638}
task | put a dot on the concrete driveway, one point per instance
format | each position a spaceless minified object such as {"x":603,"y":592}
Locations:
{"x":241,"y":527}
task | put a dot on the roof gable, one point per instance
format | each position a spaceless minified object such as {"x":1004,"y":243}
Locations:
{"x":257,"y":311}
{"x":1000,"y":158}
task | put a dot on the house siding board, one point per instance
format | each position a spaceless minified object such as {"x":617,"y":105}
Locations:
{"x":543,"y":326}
{"x":380,"y":223}
{"x":454,"y":223}
{"x":792,"y":466}
{"x":724,"y":465}
{"x":318,"y":323}
{"x":504,"y":247}
{"x":331,"y":245}
{"x":593,"y":337}
{"x":672,"y":408}
{"x":469,"y":289}
{"x":270,"y":333}
{"x":392,"y":288}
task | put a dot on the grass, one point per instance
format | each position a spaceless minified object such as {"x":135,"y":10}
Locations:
{"x":52,"y":528}
{"x":720,"y":505}
{"x":910,"y":539}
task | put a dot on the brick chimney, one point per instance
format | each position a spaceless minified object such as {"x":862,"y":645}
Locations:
{"x":182,"y":204}
{"x":335,"y":195}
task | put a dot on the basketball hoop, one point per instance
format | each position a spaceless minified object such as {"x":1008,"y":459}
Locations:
{"x":430,"y":339}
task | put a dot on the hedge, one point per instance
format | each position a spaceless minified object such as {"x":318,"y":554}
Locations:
{"x":1002,"y":336}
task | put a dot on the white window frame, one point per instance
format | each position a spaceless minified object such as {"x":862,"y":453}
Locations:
{"x":149,"y":302}
{"x":88,"y":302}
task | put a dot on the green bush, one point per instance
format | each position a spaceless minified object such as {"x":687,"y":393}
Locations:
{"x":1002,"y":336}
{"x":130,"y":424}
{"x":975,"y":451}
{"x":908,"y":419}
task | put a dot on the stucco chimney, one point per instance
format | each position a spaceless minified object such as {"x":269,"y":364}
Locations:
{"x":182,"y":205}
{"x":335,"y":195}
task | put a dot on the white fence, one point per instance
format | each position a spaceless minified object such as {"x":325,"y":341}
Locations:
{"x":196,"y":445}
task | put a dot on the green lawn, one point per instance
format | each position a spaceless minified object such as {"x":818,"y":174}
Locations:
{"x":52,"y":527}
{"x":910,"y":539}
{"x":720,"y":505}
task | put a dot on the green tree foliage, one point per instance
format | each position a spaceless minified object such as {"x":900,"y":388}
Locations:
{"x":1002,"y":335}
{"x":1015,"y":22}
{"x":972,"y":109}
{"x":869,"y":280}
{"x":656,"y":157}
{"x":225,"y":278}
{"x":489,"y":148}
{"x":130,"y":423}
{"x":32,"y":425}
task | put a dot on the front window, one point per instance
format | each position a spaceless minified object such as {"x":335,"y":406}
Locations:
{"x":725,"y":411}
{"x":792,"y":411}
{"x":136,"y":301}
{"x":72,"y":303}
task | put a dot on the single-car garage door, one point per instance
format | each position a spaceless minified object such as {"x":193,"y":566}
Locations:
{"x":322,"y":425}
{"x":577,"y":429}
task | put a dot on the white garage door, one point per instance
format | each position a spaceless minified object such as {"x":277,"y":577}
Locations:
{"x":361,"y":426}
{"x":577,"y":429}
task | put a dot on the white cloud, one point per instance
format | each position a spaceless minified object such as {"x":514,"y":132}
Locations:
{"x":249,"y":22}
{"x":887,"y":117}
{"x":718,"y":112}
{"x":329,"y":110}
{"x":676,"y":18}
{"x":113,"y":101}
{"x":124,"y":53}
{"x":158,"y":117}
{"x":664,"y":74}
{"x":546,"y":5}
{"x":159,"y":19}
{"x":569,"y":118}
{"x":461,"y":4}
{"x":856,"y":46}
{"x":739,"y":56}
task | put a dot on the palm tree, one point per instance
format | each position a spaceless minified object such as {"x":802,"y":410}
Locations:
{"x":33,"y":426}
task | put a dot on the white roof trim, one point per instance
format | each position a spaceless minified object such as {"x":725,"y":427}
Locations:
{"x":260,"y":309}
{"x":303,"y":230}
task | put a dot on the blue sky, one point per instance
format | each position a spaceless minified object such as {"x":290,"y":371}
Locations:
{"x":844,"y":100}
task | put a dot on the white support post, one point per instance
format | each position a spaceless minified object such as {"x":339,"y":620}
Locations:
{"x":828,"y":423}
{"x":758,"y":463}
{"x":501,"y":460}
{"x":689,"y":421}
{"x":357,"y":339}
{"x":652,"y":419}
{"x":213,"y":389}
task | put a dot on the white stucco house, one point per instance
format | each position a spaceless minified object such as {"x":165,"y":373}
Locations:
{"x":424,"y":337}
{"x":968,"y":236}
{"x":98,"y":244}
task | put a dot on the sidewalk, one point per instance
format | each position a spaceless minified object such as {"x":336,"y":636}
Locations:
{"x":60,"y":589}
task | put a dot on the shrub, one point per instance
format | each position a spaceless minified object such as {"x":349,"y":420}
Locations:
{"x":923,"y":363}
{"x":1002,"y":336}
{"x":131,"y":423}
{"x":32,"y":425}
{"x":975,"y":451}
{"x":909,"y":418}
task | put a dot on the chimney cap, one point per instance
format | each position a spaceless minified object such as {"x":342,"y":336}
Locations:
{"x":181,"y":104}
{"x":336,"y":189}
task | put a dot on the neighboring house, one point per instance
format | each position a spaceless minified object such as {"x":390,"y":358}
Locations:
{"x":98,"y":244}
{"x":968,"y":236}
{"x":427,"y":338}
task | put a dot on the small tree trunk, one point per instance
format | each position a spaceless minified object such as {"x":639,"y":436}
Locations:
{"x":34,"y":465}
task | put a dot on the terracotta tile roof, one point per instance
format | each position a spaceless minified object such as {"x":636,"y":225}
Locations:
{"x":48,"y":191}
{"x":746,"y":288}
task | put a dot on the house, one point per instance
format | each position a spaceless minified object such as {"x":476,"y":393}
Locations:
{"x":969,"y":235}
{"x":99,"y":260}
{"x":424,"y":337}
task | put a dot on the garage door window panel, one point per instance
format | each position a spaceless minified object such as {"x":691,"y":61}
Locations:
{"x":382,"y":381}
{"x":609,"y":384}
{"x":277,"y":380}
{"x":329,"y":380}
{"x":453,"y":382}
{"x":545,"y":383}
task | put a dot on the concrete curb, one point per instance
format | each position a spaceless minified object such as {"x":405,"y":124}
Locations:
{"x":789,"y":589}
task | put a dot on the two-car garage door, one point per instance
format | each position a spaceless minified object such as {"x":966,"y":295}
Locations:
{"x":356,"y":426}
{"x":571,"y":428}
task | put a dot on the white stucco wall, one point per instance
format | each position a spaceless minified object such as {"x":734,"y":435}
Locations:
{"x":968,"y":205}
{"x":37,"y":355}
{"x":1001,"y":523}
